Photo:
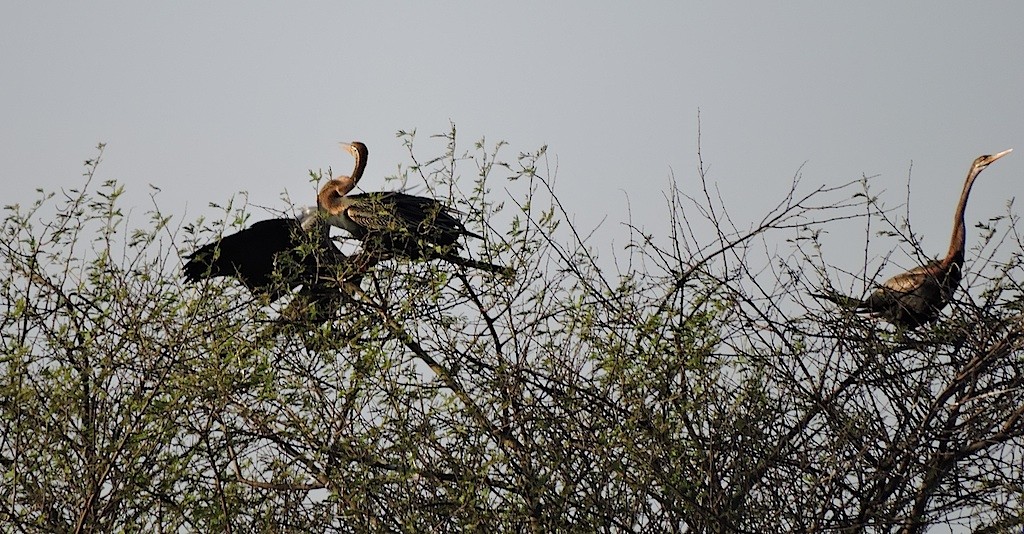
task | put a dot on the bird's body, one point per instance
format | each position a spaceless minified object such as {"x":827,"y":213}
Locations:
{"x":408,"y":225}
{"x":273,"y":257}
{"x":915,"y":297}
{"x":392,"y":223}
{"x":250,"y":255}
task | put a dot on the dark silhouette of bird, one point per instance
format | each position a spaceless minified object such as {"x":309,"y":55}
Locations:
{"x":395,"y":224}
{"x":273,"y":257}
{"x":916,"y":297}
{"x":249,"y":255}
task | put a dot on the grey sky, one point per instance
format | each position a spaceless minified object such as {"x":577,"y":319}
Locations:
{"x":204,"y":99}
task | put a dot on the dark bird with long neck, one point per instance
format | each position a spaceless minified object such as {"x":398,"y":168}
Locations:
{"x":916,"y":297}
{"x":391,"y":223}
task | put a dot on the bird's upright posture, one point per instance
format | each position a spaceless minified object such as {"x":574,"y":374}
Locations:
{"x":390,"y":223}
{"x":917,"y":296}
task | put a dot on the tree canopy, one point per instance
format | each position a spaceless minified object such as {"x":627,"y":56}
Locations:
{"x":684,"y":382}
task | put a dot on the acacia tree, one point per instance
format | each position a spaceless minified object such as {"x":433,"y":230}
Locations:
{"x":689,"y":385}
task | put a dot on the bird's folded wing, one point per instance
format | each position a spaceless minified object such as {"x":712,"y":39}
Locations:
{"x":376,"y":216}
{"x":908,"y":281}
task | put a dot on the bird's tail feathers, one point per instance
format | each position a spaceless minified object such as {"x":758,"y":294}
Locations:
{"x":481,"y":265}
{"x":840,"y":299}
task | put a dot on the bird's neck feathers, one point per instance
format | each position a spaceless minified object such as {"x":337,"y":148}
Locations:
{"x":957,"y":243}
{"x":331,"y":197}
{"x":360,"y":166}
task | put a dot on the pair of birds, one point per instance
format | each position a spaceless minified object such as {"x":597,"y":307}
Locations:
{"x":273,"y":257}
{"x":915,"y":297}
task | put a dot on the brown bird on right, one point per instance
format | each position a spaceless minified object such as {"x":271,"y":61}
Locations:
{"x":395,"y":224}
{"x":916,"y":297}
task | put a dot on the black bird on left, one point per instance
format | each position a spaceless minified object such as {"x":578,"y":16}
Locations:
{"x":273,"y":257}
{"x":250,"y":256}
{"x":270,"y":258}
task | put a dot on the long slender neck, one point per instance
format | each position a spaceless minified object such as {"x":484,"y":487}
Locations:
{"x":361,"y":156}
{"x":332,"y":193}
{"x":957,"y":243}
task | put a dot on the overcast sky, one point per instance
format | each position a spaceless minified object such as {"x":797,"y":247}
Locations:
{"x":204,"y":99}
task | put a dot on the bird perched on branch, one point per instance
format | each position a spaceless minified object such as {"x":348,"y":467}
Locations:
{"x":274,"y":256}
{"x":916,"y":297}
{"x":391,"y":223}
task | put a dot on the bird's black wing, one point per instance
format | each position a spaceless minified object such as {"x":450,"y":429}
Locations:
{"x":428,"y":218}
{"x":247,"y":255}
{"x":409,"y":225}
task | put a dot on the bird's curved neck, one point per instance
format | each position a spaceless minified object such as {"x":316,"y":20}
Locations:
{"x":957,"y":243}
{"x":330,"y":198}
{"x":360,"y":166}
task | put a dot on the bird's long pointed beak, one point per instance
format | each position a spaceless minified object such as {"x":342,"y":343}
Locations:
{"x":345,"y":146}
{"x":1001,"y":154}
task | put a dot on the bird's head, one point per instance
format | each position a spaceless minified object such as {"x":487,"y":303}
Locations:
{"x":356,"y":148}
{"x":331,"y":194}
{"x":986,"y":160}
